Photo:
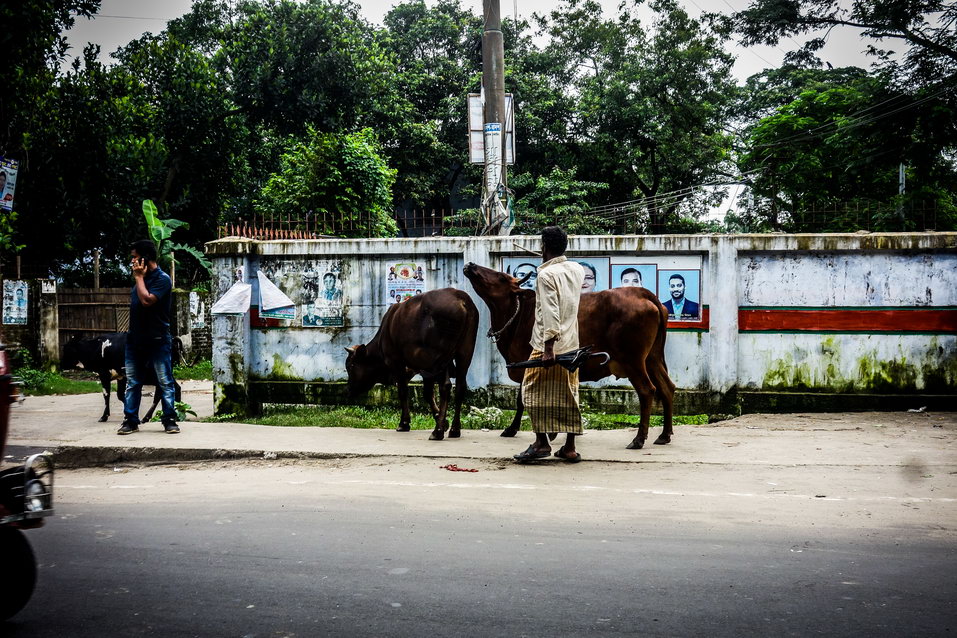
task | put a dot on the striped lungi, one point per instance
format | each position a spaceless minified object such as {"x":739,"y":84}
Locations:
{"x":551,"y":397}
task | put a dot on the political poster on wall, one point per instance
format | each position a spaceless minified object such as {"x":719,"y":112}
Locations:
{"x":680,"y":293}
{"x":518,"y":267}
{"x":15,"y":299}
{"x":8,"y":182}
{"x":322,"y":292}
{"x":404,"y":280}
{"x":596,"y":273}
{"x":642,"y":275}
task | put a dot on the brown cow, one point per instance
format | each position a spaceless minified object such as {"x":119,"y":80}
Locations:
{"x":628,"y":323}
{"x":432,"y":334}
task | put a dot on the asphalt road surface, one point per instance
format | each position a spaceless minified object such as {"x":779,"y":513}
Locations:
{"x":404,"y":547}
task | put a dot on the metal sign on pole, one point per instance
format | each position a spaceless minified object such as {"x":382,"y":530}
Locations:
{"x":477,"y":130}
{"x":494,"y":116}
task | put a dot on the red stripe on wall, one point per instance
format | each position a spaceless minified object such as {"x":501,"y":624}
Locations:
{"x":703,"y":324}
{"x":843,"y":320}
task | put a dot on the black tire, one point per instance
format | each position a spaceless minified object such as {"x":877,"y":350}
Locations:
{"x":19,"y":568}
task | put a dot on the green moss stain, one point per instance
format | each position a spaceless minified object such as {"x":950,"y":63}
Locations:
{"x":788,"y":374}
{"x":936,"y":373}
{"x":281,"y":370}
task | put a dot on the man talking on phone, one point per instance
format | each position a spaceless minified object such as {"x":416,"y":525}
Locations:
{"x":149,"y":344}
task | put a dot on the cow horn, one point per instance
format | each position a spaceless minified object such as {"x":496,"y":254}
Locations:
{"x":351,"y":349}
{"x":525,"y":278}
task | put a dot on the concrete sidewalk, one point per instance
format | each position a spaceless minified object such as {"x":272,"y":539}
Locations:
{"x":68,"y":427}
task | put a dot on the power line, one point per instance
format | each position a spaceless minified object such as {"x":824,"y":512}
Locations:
{"x":817,"y":131}
{"x":103,"y":15}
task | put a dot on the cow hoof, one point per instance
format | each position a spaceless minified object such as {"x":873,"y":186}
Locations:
{"x":454,"y":434}
{"x":509,"y":431}
{"x":403,"y":427}
{"x":103,"y":419}
{"x":635,"y":445}
{"x":437,"y":435}
{"x":663,"y":440}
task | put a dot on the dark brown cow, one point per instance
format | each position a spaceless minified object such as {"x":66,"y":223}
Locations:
{"x":628,"y":323}
{"x":432,"y":334}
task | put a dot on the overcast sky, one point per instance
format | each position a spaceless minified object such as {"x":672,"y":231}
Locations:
{"x":120,"y":21}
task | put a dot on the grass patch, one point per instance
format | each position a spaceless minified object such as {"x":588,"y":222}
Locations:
{"x":387,"y":418}
{"x":40,"y":382}
{"x":199,"y":371}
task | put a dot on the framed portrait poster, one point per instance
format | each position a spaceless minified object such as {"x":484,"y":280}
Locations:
{"x":680,"y":292}
{"x":643,"y":275}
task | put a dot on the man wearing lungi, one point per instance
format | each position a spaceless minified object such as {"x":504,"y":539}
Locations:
{"x":550,"y":393}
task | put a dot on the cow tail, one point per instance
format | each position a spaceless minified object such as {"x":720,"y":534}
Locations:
{"x":660,"y":380}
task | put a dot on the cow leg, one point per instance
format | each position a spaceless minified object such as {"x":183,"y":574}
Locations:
{"x":666,"y":394}
{"x":461,"y":387}
{"x":428,"y":391}
{"x":405,"y":421}
{"x":516,"y":423}
{"x":441,"y":420}
{"x":157,"y":397}
{"x":646,"y":397}
{"x":105,"y":380}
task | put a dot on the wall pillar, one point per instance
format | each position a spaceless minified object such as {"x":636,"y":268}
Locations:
{"x":231,"y":354}
{"x":723,"y":277}
{"x":480,"y":372}
{"x":48,"y":324}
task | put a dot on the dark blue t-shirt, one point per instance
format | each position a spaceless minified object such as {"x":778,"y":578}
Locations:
{"x":150,"y":322}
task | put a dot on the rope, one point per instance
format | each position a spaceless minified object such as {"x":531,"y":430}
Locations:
{"x":494,"y":335}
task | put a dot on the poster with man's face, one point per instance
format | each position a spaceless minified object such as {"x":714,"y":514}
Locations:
{"x":8,"y":182}
{"x":321,"y":294}
{"x":680,"y":292}
{"x":15,"y":299}
{"x":519,"y":267}
{"x":635,"y":275}
{"x":404,"y":280}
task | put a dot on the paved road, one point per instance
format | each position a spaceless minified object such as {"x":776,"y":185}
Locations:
{"x":404,"y":547}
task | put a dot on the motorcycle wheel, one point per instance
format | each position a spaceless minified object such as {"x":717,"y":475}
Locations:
{"x":19,"y":568}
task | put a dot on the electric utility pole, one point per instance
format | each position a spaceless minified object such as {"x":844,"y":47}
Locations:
{"x":493,"y":89}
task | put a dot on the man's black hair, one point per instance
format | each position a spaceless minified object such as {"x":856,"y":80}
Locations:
{"x":146,"y":249}
{"x":629,"y":270}
{"x":677,"y":276}
{"x":554,"y":240}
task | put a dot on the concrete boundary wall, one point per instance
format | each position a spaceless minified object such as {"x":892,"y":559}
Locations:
{"x":783,"y":322}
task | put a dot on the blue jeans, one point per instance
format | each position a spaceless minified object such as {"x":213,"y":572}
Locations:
{"x":148,"y":362}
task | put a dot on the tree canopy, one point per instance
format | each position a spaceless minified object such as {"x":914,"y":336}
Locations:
{"x":303,"y":108}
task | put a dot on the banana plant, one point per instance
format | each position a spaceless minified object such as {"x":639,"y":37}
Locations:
{"x":161,"y":230}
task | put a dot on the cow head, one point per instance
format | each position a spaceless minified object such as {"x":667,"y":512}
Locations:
{"x":496,"y":288}
{"x":72,"y":352}
{"x":364,"y":370}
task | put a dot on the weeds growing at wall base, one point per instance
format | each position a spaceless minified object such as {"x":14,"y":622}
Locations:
{"x":386,"y":418}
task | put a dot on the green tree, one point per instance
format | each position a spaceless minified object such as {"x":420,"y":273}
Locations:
{"x":652,"y":103}
{"x":833,"y":148}
{"x":926,"y":29}
{"x":437,"y":55}
{"x":559,"y":198}
{"x":341,"y":180}
{"x":202,"y":134}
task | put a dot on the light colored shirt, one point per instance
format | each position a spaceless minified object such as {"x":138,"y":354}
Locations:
{"x":557,"y":293}
{"x":678,"y":306}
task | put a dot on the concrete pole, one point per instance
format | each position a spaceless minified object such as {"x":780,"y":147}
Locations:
{"x":493,"y":84}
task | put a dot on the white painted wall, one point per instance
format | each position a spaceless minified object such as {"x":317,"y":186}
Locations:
{"x":745,"y":271}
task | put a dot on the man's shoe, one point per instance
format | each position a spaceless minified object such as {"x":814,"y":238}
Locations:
{"x":171,"y":428}
{"x":128,"y":428}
